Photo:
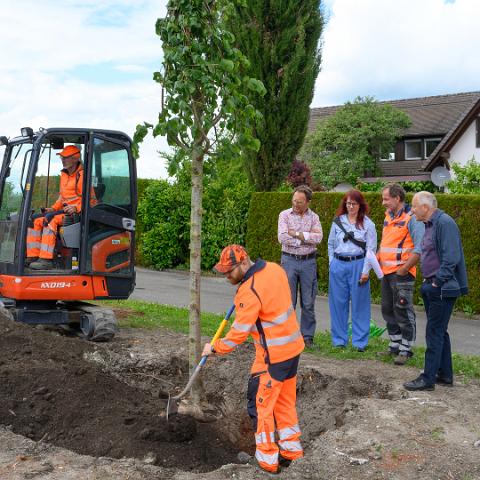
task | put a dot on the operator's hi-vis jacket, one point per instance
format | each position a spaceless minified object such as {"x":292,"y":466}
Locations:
{"x":71,"y":186}
{"x":396,"y":245}
{"x":264,"y":310}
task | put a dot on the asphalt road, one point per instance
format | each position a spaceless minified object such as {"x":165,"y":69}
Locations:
{"x":172,"y":288}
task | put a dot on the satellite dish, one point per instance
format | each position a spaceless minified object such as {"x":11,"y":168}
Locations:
{"x":440,"y":176}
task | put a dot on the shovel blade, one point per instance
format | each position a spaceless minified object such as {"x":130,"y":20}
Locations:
{"x":172,"y":406}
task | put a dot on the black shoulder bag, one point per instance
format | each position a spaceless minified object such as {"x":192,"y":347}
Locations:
{"x":349,"y":235}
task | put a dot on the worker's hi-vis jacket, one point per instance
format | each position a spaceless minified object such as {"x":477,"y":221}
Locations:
{"x":71,"y":186}
{"x":264,"y":310}
{"x":396,"y":245}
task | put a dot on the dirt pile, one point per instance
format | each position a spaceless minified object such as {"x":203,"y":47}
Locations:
{"x":53,"y":390}
{"x":102,"y":401}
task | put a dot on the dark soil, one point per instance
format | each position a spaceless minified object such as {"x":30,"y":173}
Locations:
{"x":73,"y":410}
{"x":51,"y":392}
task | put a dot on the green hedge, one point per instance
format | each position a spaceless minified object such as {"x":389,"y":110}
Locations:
{"x":262,"y":240}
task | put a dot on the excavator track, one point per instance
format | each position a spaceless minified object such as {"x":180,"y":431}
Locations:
{"x":97,"y":324}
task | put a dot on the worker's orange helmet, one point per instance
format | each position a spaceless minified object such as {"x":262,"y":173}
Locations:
{"x":70,"y":151}
{"x":231,"y":256}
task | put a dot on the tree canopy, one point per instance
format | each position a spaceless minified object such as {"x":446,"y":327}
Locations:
{"x":281,"y":42}
{"x":349,"y":143}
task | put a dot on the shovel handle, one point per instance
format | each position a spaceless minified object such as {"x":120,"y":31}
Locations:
{"x":202,"y":361}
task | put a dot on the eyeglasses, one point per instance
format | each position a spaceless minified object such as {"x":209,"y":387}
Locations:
{"x":351,"y":204}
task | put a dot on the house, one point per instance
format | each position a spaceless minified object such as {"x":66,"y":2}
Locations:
{"x":445,"y":129}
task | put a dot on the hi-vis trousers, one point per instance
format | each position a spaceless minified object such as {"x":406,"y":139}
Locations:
{"x":271,"y":406}
{"x":41,"y":240}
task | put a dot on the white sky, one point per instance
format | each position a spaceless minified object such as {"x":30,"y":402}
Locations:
{"x":89,"y":63}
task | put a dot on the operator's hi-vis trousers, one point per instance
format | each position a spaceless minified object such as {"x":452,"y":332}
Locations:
{"x":41,"y":240}
{"x":271,"y":406}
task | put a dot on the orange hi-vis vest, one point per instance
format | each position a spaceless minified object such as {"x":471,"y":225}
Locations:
{"x":71,"y":186}
{"x":397,"y":244}
{"x":264,"y":310}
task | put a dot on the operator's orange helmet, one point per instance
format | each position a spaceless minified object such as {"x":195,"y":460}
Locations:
{"x":70,"y":151}
{"x":230,"y":257}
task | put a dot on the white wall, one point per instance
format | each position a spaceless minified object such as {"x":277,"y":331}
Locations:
{"x":465,"y":148}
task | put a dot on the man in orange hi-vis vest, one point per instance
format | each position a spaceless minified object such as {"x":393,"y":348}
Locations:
{"x":264,"y":310}
{"x":41,"y":238}
{"x":399,"y":252}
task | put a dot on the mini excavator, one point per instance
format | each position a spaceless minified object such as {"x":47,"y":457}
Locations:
{"x":94,"y":250}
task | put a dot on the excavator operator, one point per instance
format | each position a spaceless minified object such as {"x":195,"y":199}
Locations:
{"x":41,"y":238}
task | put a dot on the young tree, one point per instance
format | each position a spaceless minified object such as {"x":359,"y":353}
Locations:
{"x":351,"y":142}
{"x":281,"y":41}
{"x":205,"y":106}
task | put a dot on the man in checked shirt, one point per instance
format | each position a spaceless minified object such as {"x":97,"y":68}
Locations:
{"x":299,"y":233}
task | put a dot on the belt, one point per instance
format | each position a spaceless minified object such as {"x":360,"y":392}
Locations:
{"x":301,"y":257}
{"x":348,"y":258}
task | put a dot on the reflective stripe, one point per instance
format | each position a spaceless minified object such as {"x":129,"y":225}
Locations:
{"x":288,"y":431}
{"x":278,"y":320}
{"x":262,"y":437}
{"x":290,"y":446}
{"x":34,"y":233}
{"x":270,"y":459}
{"x":393,"y":262}
{"x":76,"y":197}
{"x":242,"y":327}
{"x":394,"y":250}
{"x":395,"y":338}
{"x":393,"y":345}
{"x":48,"y":231}
{"x":283,"y":340}
{"x":229,"y":343}
{"x":46,"y":248}
{"x":33,"y":245}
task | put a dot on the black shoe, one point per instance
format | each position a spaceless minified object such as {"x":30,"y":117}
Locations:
{"x":309,"y":343}
{"x":360,"y":349}
{"x":448,"y":382}
{"x":42,"y":264}
{"x":418,"y":384}
{"x":284,"y":462}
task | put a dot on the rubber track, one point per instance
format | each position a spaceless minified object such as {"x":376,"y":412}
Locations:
{"x":104,"y":320}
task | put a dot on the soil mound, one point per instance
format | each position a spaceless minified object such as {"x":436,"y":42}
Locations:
{"x":51,"y":392}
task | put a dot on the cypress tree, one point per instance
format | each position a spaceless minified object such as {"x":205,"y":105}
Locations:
{"x":280,"y":38}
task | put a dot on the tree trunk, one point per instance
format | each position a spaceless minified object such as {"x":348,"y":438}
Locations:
{"x":194,"y":337}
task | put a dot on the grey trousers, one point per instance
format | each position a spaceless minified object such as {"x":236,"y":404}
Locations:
{"x":398,"y":312}
{"x":303,"y":274}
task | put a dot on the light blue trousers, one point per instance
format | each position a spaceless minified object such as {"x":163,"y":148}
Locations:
{"x":344,"y":289}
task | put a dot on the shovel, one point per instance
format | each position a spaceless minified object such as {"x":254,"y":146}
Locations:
{"x":172,"y":405}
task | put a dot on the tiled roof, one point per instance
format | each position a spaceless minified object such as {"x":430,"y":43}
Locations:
{"x":430,"y":115}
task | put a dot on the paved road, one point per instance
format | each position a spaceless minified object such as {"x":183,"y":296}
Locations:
{"x":172,"y":288}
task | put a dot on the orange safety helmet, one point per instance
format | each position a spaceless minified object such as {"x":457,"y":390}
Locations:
{"x":70,"y":151}
{"x":230,"y":257}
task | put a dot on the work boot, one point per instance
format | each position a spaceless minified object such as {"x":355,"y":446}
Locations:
{"x":42,"y":264}
{"x":388,"y":353}
{"x":401,"y":358}
{"x":30,"y":260}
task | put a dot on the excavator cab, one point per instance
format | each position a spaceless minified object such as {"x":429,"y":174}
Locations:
{"x":94,"y":250}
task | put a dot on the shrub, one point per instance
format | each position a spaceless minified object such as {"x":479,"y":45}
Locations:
{"x":262,"y":233}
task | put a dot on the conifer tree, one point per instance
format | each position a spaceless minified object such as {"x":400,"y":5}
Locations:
{"x":280,"y":38}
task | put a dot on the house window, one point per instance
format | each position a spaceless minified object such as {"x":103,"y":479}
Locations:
{"x":413,"y":149}
{"x":431,"y":145}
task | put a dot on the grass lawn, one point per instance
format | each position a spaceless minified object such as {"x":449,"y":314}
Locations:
{"x":139,"y":314}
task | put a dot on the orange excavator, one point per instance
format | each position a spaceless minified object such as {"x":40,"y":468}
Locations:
{"x":94,"y":251}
